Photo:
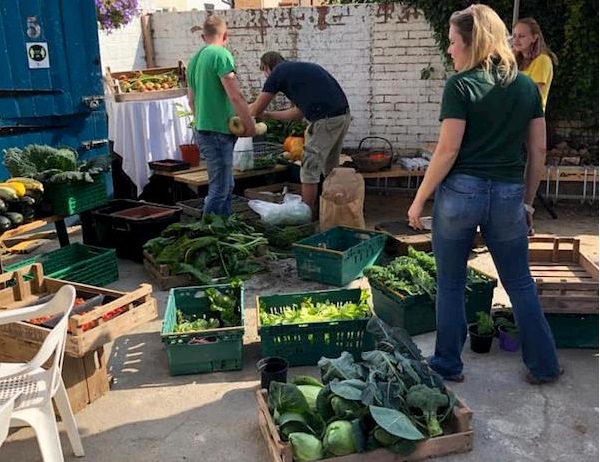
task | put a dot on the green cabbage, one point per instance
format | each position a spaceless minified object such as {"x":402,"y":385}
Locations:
{"x":338,"y":439}
{"x":305,"y":447}
{"x":310,"y":392}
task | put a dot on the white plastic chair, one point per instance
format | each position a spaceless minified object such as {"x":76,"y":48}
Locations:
{"x":38,"y":386}
{"x":6,"y":409}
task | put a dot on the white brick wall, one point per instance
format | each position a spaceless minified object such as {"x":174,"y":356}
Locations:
{"x":376,"y":54}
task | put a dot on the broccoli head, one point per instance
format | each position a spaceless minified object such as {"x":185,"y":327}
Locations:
{"x":429,"y":401}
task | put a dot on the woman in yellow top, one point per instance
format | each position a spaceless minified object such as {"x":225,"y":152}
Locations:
{"x":534,"y":57}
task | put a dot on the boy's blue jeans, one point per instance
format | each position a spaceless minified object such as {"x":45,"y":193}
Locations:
{"x":462,"y":202}
{"x":217,"y":151}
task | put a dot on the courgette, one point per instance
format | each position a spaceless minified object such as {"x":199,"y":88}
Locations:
{"x":3,"y":206}
{"x":15,"y":218}
{"x":5,"y":223}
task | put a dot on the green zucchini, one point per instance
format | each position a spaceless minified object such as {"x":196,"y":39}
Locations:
{"x":5,"y":223}
{"x":15,"y":218}
{"x":3,"y":206}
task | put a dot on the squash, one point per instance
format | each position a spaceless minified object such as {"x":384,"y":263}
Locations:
{"x":291,"y":139}
{"x":296,"y":147}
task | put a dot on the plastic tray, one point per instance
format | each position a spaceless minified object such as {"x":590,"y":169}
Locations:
{"x":210,"y":350}
{"x":80,"y":263}
{"x":68,"y":199}
{"x":169,"y":165}
{"x":305,"y":344}
{"x":339,"y":255}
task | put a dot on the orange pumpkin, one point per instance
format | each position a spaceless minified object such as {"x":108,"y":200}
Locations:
{"x":291,"y":139}
{"x":296,"y":146}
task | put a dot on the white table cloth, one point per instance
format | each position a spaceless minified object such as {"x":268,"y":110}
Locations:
{"x":145,"y":131}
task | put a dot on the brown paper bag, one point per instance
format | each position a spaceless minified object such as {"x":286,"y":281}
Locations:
{"x":342,"y":200}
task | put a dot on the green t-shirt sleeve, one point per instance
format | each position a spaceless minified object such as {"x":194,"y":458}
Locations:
{"x":454,"y":102}
{"x":224,"y":63}
{"x":538,"y":107}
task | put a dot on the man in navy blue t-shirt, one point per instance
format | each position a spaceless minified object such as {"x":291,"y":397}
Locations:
{"x":316,"y":96}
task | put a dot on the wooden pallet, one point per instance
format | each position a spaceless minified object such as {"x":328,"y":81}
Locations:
{"x":458,"y":439}
{"x":86,"y":379}
{"x":162,"y":276}
{"x":566,"y":280}
{"x":88,"y":331}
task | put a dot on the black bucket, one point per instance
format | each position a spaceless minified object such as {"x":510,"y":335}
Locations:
{"x":272,"y":369}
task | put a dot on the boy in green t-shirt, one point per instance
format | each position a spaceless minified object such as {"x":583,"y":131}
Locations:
{"x":215,"y":96}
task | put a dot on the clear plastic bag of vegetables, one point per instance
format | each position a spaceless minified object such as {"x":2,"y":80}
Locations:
{"x":291,"y":212}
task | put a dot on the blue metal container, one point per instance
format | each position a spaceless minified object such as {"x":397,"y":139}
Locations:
{"x":51,"y":81}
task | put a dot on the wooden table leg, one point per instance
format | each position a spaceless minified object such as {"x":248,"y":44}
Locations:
{"x":61,"y":232}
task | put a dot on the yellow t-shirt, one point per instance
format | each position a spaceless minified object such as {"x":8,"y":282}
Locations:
{"x":541,"y":72}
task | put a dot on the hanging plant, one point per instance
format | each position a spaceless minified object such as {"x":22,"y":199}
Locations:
{"x":114,"y":14}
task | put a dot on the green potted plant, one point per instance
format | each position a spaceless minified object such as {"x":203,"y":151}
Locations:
{"x":508,"y":333}
{"x":190,"y":152}
{"x":481,"y":333}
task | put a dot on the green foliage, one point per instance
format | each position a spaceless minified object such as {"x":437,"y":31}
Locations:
{"x":570,"y":28}
{"x":308,"y":311}
{"x":485,"y":323}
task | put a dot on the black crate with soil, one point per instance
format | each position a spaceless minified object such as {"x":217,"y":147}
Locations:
{"x":126,"y":225}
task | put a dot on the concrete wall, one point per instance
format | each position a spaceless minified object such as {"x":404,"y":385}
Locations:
{"x":376,"y":52}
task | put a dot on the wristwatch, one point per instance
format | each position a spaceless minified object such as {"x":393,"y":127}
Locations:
{"x":528,"y":208}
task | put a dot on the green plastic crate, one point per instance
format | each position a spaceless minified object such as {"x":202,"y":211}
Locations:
{"x":479,"y":296}
{"x":186,"y":352}
{"x":574,"y":330}
{"x":417,"y":313}
{"x":305,"y":344}
{"x":339,"y":255}
{"x":77,"y":263}
{"x":70,"y":198}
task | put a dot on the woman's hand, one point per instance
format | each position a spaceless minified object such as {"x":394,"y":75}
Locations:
{"x":414,"y":214}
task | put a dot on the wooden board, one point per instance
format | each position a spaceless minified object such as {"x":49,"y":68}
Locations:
{"x":200,"y":178}
{"x":81,"y":339}
{"x":458,"y":440}
{"x":566,"y":280}
{"x":162,"y":276}
{"x":150,"y":95}
{"x":86,"y":379}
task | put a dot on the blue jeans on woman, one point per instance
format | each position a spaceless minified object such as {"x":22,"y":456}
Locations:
{"x":217,"y":151}
{"x":463,"y":202}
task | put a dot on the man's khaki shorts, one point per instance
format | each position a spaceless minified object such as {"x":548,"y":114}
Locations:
{"x":322,"y":147}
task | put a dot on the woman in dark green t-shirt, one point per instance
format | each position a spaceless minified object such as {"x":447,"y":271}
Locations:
{"x":480,"y":178}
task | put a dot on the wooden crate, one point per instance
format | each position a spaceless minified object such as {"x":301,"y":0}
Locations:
{"x":566,"y":280}
{"x":81,"y":339}
{"x":401,"y":236}
{"x":459,"y":439}
{"x":162,"y":276}
{"x":567,"y":285}
{"x":112,"y":82}
{"x":86,"y":379}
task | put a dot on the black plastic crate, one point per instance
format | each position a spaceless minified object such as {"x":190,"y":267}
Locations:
{"x":101,"y":227}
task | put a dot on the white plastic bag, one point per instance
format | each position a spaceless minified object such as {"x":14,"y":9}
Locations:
{"x":291,"y":212}
{"x":243,"y":154}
